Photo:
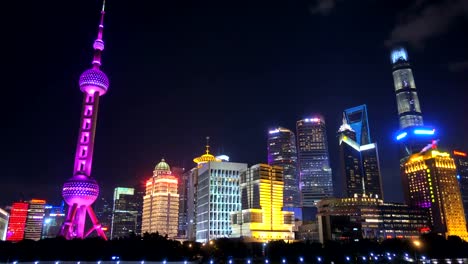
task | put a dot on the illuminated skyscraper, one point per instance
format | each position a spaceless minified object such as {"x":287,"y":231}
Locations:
{"x":80,"y":191}
{"x":104,"y":213}
{"x":282,"y":152}
{"x":413,"y":135}
{"x":360,"y":167}
{"x":315,"y":181}
{"x":261,"y":217}
{"x":461,"y":162}
{"x":35,"y":219}
{"x":54,"y":217}
{"x":161,"y":202}
{"x":17,"y":222}
{"x":125,"y":213}
{"x":357,"y":119}
{"x":216,"y":196}
{"x":432,"y":184}
{"x":4,"y":216}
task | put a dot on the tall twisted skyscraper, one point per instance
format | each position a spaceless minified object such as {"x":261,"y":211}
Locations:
{"x":413,"y":135}
{"x":80,"y":191}
{"x":282,"y":152}
{"x":314,"y":165}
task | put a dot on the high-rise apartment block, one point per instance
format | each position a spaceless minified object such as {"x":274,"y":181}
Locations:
{"x":461,"y":162}
{"x":314,"y":166}
{"x":360,"y":167}
{"x":4,"y":216}
{"x":282,"y":152}
{"x":161,"y":202}
{"x":432,"y":184}
{"x":261,"y":217}
{"x":125,"y":213}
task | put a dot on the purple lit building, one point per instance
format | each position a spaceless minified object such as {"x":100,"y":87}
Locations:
{"x":80,"y":191}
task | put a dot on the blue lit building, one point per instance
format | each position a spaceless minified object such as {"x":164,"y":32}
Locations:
{"x":53,"y":220}
{"x":413,"y":136}
{"x":315,"y":174}
{"x":356,"y":117}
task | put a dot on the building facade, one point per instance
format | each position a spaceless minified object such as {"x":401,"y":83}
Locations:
{"x":35,"y":219}
{"x":282,"y":152}
{"x":182,"y":179}
{"x":261,"y":217}
{"x":54,"y":216}
{"x":217,"y":196}
{"x":461,"y":162}
{"x":357,"y":119}
{"x":315,"y":175}
{"x":432,"y":184}
{"x":4,"y":216}
{"x":161,"y":202}
{"x":364,"y":217}
{"x":125,"y":213}
{"x":104,"y":213}
{"x":17,"y":222}
{"x":360,"y":168}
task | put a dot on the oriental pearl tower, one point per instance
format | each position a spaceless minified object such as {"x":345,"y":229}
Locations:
{"x":81,"y":190}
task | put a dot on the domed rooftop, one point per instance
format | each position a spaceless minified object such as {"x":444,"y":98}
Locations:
{"x":207,"y":157}
{"x":162,"y":168}
{"x":94,"y":80}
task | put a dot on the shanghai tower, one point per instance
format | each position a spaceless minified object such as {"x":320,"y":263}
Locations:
{"x":81,"y":190}
{"x":413,"y":136}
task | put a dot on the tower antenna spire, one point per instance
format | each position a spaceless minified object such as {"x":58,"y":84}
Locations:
{"x":207,"y":145}
{"x":99,"y":43}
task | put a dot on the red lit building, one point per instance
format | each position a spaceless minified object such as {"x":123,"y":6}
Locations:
{"x":17,"y":223}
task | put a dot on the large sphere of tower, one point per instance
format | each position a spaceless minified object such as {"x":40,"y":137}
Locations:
{"x":80,"y":190}
{"x":94,"y":80}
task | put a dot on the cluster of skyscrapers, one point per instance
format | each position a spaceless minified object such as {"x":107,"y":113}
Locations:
{"x":291,"y":197}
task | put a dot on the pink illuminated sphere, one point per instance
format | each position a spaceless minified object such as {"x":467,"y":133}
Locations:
{"x":94,"y":80}
{"x":80,"y":190}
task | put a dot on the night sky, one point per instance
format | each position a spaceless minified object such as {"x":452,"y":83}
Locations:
{"x":183,"y":70}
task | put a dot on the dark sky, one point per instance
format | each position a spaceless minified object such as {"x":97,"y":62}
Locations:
{"x":182,"y":70}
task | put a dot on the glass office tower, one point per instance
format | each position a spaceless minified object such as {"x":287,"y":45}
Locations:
{"x":315,"y":175}
{"x":282,"y":152}
{"x":125,"y":213}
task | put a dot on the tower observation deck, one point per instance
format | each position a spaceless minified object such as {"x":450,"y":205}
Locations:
{"x":81,"y":190}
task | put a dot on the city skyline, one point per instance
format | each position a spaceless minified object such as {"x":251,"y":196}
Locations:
{"x":443,"y":113}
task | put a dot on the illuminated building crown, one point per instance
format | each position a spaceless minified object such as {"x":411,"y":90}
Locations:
{"x":162,"y":168}
{"x":345,"y":126}
{"x":207,"y":157}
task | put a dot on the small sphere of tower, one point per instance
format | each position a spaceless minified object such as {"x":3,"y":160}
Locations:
{"x":80,"y":190}
{"x":94,"y":80}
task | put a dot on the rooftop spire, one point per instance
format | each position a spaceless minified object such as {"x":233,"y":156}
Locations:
{"x":207,"y":145}
{"x":99,"y":43}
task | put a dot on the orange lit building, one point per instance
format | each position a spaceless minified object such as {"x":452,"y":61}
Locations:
{"x":161,"y":202}
{"x":17,"y":223}
{"x":35,"y":219}
{"x":261,"y":217}
{"x":432,"y":183}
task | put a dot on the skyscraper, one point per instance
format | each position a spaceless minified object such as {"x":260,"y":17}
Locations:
{"x":461,"y":162}
{"x":80,"y":191}
{"x":17,"y":222}
{"x":413,"y":135}
{"x":282,"y":152}
{"x":125,"y":213}
{"x":4,"y":216}
{"x":261,"y":217}
{"x":35,"y":219}
{"x":360,"y":167}
{"x":356,"y":117}
{"x":104,"y":214}
{"x":161,"y":202}
{"x":315,"y":175}
{"x":432,"y":184}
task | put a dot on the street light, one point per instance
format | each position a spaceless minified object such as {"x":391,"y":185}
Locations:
{"x":418,"y":245}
